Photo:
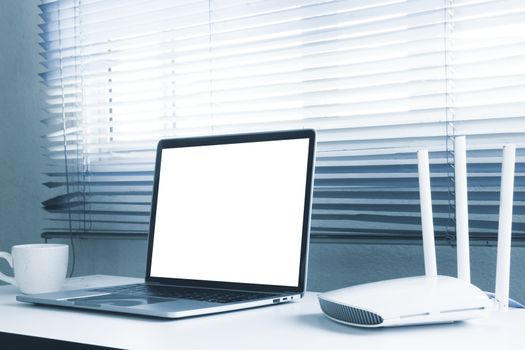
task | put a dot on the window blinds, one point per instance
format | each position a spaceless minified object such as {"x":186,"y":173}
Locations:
{"x":378,"y":80}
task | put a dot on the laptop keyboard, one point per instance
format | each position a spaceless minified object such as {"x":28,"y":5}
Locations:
{"x":215,"y":296}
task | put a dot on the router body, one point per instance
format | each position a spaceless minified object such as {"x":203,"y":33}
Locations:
{"x":406,"y":301}
{"x":433,"y":298}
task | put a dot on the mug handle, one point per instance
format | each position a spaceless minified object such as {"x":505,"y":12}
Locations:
{"x":9,"y":259}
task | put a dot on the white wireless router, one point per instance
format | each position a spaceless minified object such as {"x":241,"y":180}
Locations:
{"x":432,"y":298}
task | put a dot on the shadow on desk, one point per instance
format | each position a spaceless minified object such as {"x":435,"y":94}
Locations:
{"x":16,"y":342}
{"x":318,"y":320}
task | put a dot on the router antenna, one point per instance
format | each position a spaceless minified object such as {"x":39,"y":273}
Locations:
{"x":505,"y":226}
{"x":427,"y":223}
{"x":461,"y":202}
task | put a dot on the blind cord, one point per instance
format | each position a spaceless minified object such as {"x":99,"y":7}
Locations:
{"x":64,"y":125}
{"x":450,"y":231}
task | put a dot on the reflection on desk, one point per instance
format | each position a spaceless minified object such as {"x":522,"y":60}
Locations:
{"x":297,"y":325}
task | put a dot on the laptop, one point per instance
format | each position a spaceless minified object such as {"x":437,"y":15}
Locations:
{"x":229,"y":228}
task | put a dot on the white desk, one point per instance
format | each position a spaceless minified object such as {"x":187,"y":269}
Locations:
{"x":298,"y":325}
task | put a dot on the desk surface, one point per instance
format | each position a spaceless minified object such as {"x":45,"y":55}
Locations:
{"x":297,"y":325}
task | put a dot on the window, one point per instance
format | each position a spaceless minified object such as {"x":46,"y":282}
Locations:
{"x":378,"y":80}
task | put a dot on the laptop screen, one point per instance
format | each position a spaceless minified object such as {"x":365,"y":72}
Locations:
{"x":231,"y":212}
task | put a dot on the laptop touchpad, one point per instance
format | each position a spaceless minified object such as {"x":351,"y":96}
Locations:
{"x":118,"y":300}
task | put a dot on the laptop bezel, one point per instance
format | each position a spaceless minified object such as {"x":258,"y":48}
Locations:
{"x":229,"y":139}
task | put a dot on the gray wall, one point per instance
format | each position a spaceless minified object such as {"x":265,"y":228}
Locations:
{"x":20,"y":130}
{"x":331,"y":266}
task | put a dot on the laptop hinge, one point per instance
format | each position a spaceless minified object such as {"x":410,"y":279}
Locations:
{"x":237,"y":290}
{"x":153,"y":283}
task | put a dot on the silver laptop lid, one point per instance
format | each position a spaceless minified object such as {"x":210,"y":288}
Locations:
{"x":232,"y":211}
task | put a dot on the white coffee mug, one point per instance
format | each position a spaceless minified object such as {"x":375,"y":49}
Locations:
{"x":38,"y":268}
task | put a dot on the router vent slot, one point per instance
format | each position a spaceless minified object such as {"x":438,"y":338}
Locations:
{"x":416,"y":315}
{"x":463,"y":310}
{"x":350,"y":314}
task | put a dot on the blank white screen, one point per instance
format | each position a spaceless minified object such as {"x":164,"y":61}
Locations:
{"x":231,"y":213}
